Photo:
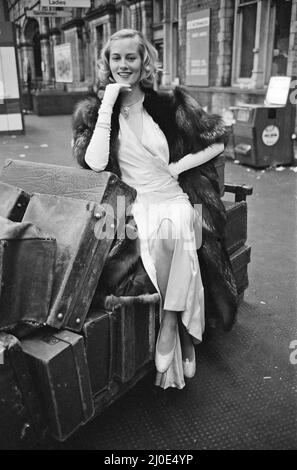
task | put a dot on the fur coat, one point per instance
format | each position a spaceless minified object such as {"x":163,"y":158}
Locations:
{"x":188,"y":129}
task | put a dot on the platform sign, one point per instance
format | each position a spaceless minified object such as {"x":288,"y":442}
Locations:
{"x":11,"y":118}
{"x":197,"y":48}
{"x":66,"y":3}
{"x":47,"y":13}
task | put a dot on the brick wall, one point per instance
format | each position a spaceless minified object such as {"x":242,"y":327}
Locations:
{"x":292,"y":59}
{"x":225,"y":43}
{"x":292,"y":56}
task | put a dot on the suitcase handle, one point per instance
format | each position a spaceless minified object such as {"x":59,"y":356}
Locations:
{"x":111,"y":301}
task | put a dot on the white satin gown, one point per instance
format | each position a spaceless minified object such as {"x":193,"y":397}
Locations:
{"x":161,"y":209}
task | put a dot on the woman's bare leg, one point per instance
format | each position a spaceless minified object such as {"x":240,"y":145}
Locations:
{"x":163,"y":251}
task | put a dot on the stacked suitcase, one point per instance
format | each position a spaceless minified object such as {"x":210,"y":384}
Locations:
{"x":22,"y":423}
{"x":76,"y":359}
{"x":236,"y":227}
{"x":236,"y":235}
{"x":64,"y":359}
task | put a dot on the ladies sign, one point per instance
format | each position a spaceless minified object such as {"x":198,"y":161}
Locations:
{"x":66,"y":3}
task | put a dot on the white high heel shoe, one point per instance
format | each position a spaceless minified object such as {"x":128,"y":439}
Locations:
{"x":189,"y":367}
{"x":163,"y":361}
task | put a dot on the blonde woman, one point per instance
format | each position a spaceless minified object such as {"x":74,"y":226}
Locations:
{"x":163,"y":145}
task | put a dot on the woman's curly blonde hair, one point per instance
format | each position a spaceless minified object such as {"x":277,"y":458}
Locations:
{"x":148,"y":54}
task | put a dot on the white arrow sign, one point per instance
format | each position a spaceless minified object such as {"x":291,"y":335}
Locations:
{"x":66,"y":3}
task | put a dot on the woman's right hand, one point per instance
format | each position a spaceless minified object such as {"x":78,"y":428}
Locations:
{"x":113,"y":90}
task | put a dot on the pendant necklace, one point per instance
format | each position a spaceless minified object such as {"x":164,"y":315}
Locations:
{"x":125,"y":110}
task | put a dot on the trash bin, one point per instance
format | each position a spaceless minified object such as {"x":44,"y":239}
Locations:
{"x":263,"y":134}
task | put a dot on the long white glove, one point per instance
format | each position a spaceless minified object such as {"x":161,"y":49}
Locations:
{"x":195,"y":159}
{"x":97,"y":153}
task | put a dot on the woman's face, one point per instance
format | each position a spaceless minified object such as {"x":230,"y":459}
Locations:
{"x":125,"y":61}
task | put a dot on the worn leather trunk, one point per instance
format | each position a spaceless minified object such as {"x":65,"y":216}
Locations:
{"x":21,"y":424}
{"x":99,"y":335}
{"x":135,"y":339}
{"x":58,"y":363}
{"x":236,"y":227}
{"x":103,"y":188}
{"x":127,"y":339}
{"x":239,"y":260}
{"x":82,"y":248}
{"x":27,"y":258}
{"x":13,"y":202}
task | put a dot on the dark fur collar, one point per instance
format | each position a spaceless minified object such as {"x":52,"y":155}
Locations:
{"x":187,"y":127}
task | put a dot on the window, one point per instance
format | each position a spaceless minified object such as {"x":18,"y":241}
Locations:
{"x":281,"y":38}
{"x":158,"y":7}
{"x":175,"y":8}
{"x":160,"y":49}
{"x":119,"y":20}
{"x":175,"y":51}
{"x":248,"y":14}
{"x":138,"y":17}
{"x":260,"y":41}
{"x":126,"y":17}
{"x":99,"y":39}
{"x":166,"y":40}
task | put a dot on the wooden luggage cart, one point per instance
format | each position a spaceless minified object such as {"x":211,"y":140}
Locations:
{"x":65,"y":355}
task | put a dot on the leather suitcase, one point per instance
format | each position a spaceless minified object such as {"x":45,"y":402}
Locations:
{"x":59,"y":366}
{"x":104,"y":188}
{"x":135,"y":333}
{"x":21,"y":424}
{"x":13,"y":202}
{"x":239,"y":260}
{"x":77,"y":226}
{"x":99,"y":336}
{"x":236,"y":226}
{"x":27,"y":258}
